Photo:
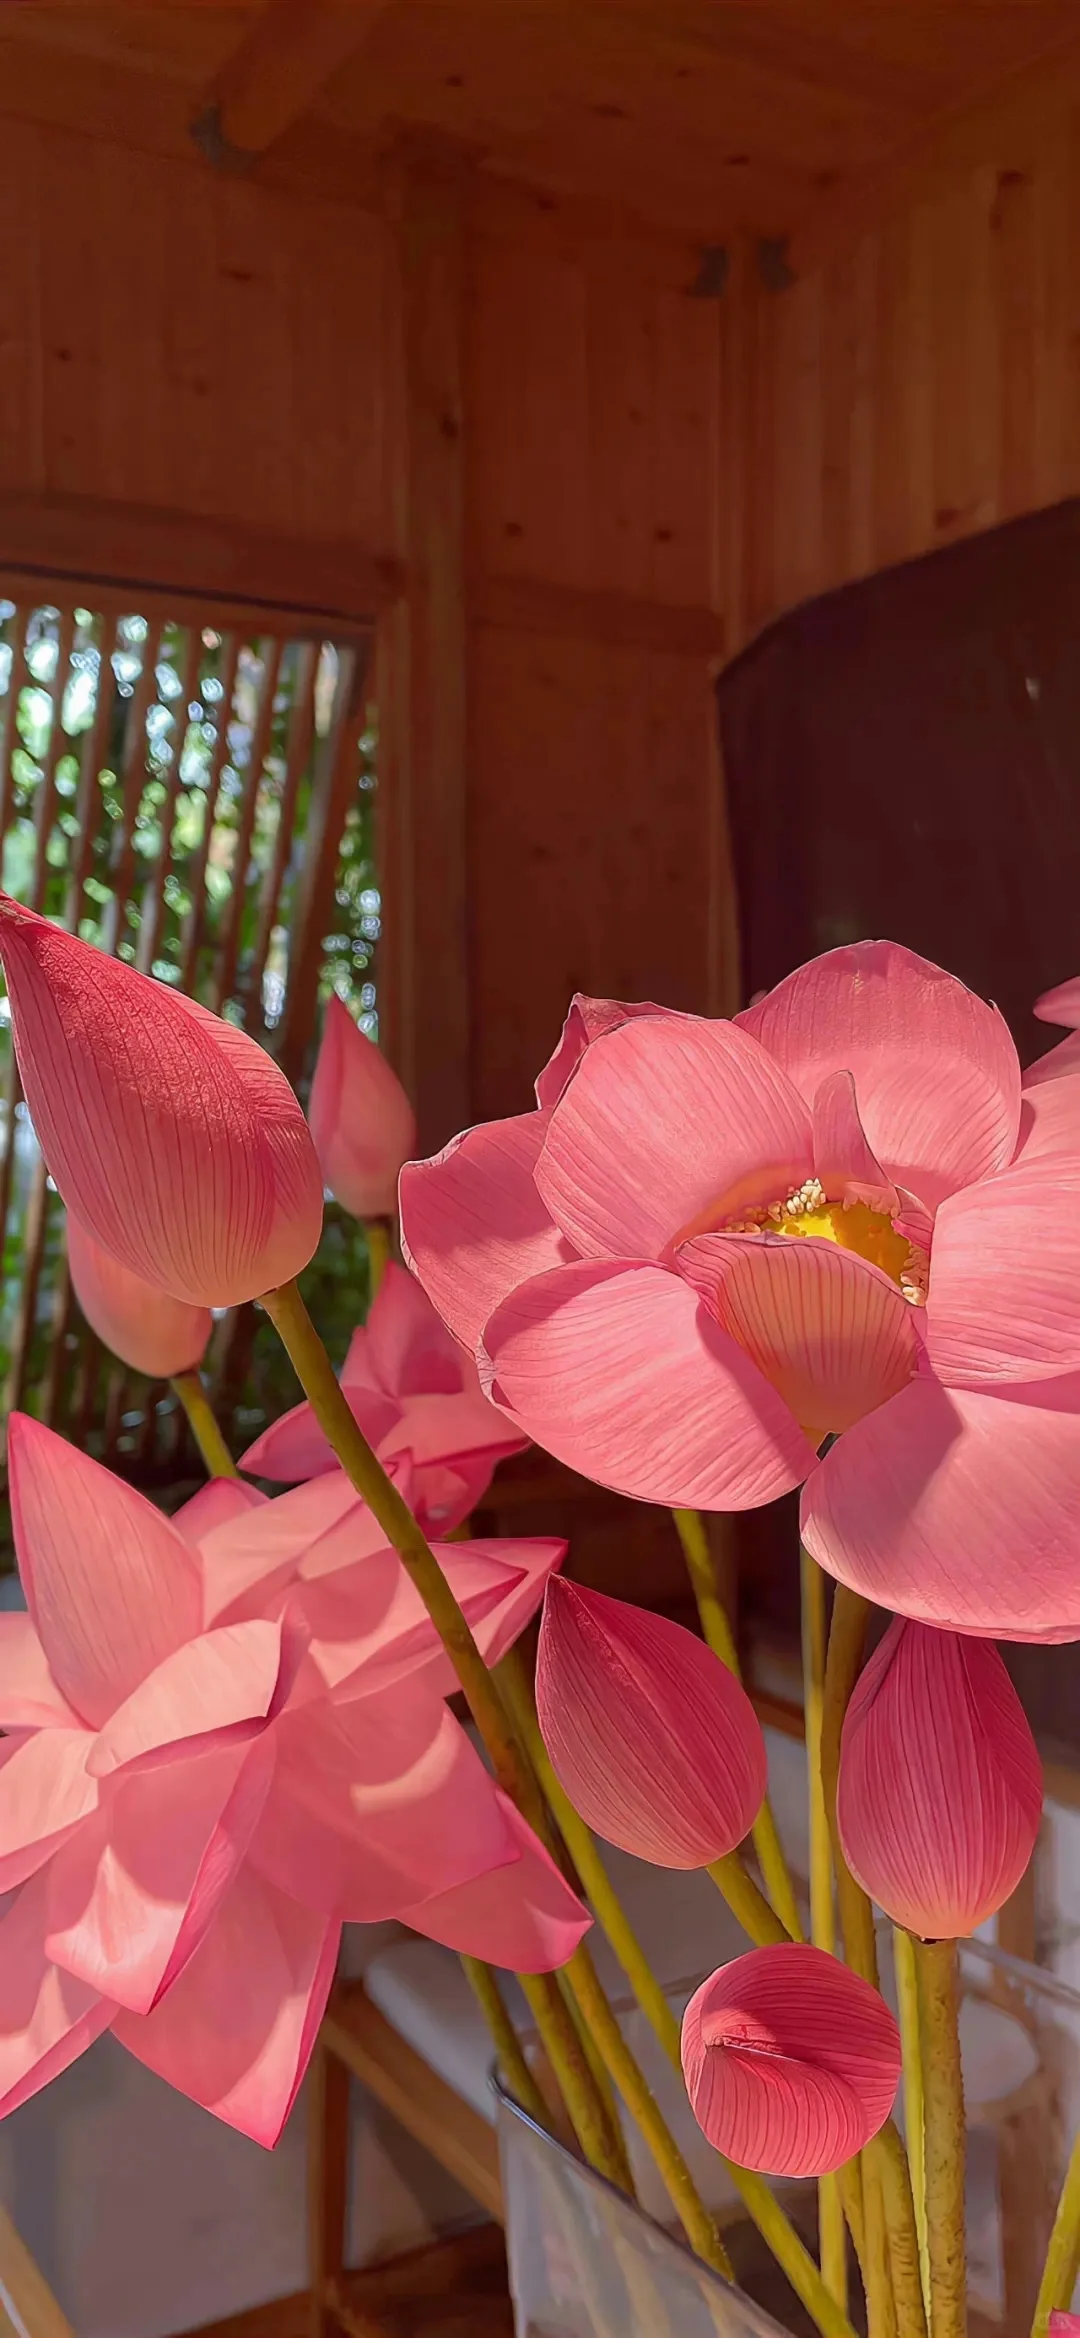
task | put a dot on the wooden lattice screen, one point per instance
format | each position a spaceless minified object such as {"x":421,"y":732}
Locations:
{"x":190,"y":787}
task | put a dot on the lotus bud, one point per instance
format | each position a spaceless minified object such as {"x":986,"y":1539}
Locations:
{"x":1060,"y":2325}
{"x":940,"y":1790}
{"x":361,"y":1119}
{"x":791,"y":2061}
{"x":174,"y":1140}
{"x":140,"y":1323}
{"x":653,"y":1739}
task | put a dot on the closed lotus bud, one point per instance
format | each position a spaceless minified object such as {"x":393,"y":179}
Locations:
{"x":653,"y":1739}
{"x":361,"y":1119}
{"x":1061,"y":2324}
{"x":141,"y":1324}
{"x":791,"y":2061}
{"x":174,"y":1140}
{"x":940,"y":1791}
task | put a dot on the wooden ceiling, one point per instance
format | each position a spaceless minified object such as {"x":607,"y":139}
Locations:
{"x":706,"y":115}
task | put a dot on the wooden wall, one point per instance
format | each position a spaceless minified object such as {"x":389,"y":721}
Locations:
{"x":922,"y":381}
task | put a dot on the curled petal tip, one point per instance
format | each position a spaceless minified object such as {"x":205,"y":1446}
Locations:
{"x":653,"y":1739}
{"x":361,"y":1120}
{"x":791,"y":2061}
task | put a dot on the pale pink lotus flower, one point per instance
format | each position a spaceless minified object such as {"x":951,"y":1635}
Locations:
{"x":416,"y":1393}
{"x":653,"y":1739}
{"x":791,"y":2061}
{"x":186,"y":1818}
{"x":319,"y":1552}
{"x":360,"y":1117}
{"x":1061,"y":2324}
{"x":940,"y":1792}
{"x":139,"y":1322}
{"x":174,"y":1140}
{"x":622,"y":1261}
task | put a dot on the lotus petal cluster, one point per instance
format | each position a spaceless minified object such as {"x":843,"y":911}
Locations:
{"x":361,"y":1119}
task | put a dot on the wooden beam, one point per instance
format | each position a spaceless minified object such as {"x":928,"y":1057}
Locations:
{"x":286,"y":54}
{"x":422,"y":653}
{"x":422,"y":2102}
{"x":1003,"y":123}
{"x":523,"y":604}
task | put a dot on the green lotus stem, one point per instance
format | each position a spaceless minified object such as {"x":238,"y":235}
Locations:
{"x":203,"y":1425}
{"x":880,"y":2308}
{"x":832,"y":2239}
{"x":887,"y":2158}
{"x":513,"y":2068}
{"x":907,"y":1991}
{"x":701,"y":1568}
{"x":937,"y":1966}
{"x":747,"y":1903}
{"x":1063,"y":2254}
{"x":760,"y":2203}
{"x":317,"y":1378}
{"x":377,"y":1237}
{"x":599,"y":2069}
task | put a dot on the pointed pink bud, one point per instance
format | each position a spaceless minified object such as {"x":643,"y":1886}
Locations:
{"x":361,"y":1118}
{"x":941,"y":1788}
{"x":138,"y":1321}
{"x":656,"y":1744}
{"x":173,"y":1138}
{"x":791,"y":2061}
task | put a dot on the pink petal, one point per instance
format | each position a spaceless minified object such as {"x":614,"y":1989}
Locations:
{"x":410,"y":1352}
{"x":669,"y":1126}
{"x":219,"y":1501}
{"x":361,"y":1119}
{"x":960,"y":1508}
{"x":451,"y":1428}
{"x":473,"y":1224}
{"x":249,"y":1558}
{"x":295,"y":1448}
{"x":1065,"y":1057}
{"x":843,"y":1161}
{"x":111,"y":1586}
{"x":587,"y":1020}
{"x":1061,"y":2324}
{"x":575,"y":1355}
{"x":29,"y":1697}
{"x":1049,"y":1119}
{"x":940,"y":1795}
{"x":131,"y":1895}
{"x":935,"y":1070}
{"x":150,"y":1331}
{"x":654,"y":1740}
{"x":44,"y":1793}
{"x":791,"y":2061}
{"x":237,"y":2029}
{"x":375,"y":1802}
{"x":369,"y":1626}
{"x":1006,"y":1269}
{"x":1061,"y":1005}
{"x":831,"y":1334}
{"x":47,"y":2017}
{"x":172,"y":1136}
{"x":524,"y":1916}
{"x":216,"y":1690}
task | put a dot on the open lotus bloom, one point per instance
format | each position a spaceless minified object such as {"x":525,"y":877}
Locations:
{"x":791,"y":2061}
{"x":941,"y":1787}
{"x":836,"y":1213}
{"x":361,"y":1119}
{"x":414,"y":1392}
{"x":174,"y":1140}
{"x":653,"y":1739}
{"x":186,"y":1818}
{"x":140,"y":1322}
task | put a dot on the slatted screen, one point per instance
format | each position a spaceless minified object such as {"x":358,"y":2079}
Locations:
{"x":192,"y":792}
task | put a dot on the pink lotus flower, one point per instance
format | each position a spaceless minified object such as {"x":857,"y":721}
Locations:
{"x":941,"y":1787}
{"x":361,"y":1119}
{"x":174,"y":1140}
{"x":1061,"y":2324}
{"x":791,"y":2061}
{"x":138,"y":1321}
{"x":186,"y":1819}
{"x":653,"y":1739}
{"x":415,"y":1393}
{"x":717,"y":1243}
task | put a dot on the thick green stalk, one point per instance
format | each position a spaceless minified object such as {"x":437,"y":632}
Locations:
{"x":886,"y":2156}
{"x":832,"y":2239}
{"x":1063,"y":2255}
{"x":599,"y":2069}
{"x":215,"y":1453}
{"x":377,"y":1235}
{"x":907,"y":1992}
{"x":718,"y":1634}
{"x":937,"y":1965}
{"x":746,"y":1902}
{"x":760,"y":2203}
{"x":513,"y":2068}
